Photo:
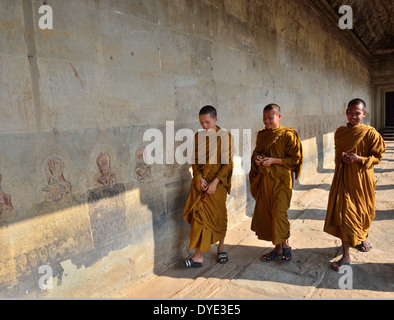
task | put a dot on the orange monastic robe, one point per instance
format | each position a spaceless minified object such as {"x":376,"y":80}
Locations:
{"x":207,"y":214}
{"x":351,"y":202}
{"x":271,"y":187}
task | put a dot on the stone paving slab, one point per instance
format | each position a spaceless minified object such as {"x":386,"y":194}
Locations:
{"x":309,"y":274}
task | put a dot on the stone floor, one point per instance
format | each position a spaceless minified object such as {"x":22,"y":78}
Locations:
{"x":308,"y":275}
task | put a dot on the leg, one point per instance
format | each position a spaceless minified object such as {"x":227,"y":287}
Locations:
{"x":221,"y":246}
{"x":285,"y":244}
{"x":345,"y":253}
{"x":222,"y":255}
{"x":345,"y":260}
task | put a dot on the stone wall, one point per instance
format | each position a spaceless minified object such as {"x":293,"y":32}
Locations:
{"x":76,"y":101}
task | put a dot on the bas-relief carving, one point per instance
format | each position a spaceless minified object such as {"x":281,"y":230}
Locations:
{"x":57,"y":186}
{"x":107,"y":231}
{"x":107,"y":214}
{"x":142,"y":169}
{"x":105,"y":177}
{"x":5,"y":199}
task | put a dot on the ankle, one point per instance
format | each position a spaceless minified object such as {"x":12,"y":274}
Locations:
{"x":198,"y":259}
{"x":221,"y":246}
{"x":345,"y":257}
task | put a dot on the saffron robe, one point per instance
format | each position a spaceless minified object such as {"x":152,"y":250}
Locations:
{"x":206,"y":213}
{"x":351,"y":202}
{"x":272,"y":186}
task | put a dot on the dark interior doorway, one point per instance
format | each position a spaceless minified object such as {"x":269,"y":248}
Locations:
{"x":389,"y":109}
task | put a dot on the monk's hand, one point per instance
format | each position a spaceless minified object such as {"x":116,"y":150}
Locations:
{"x":267,"y":162}
{"x":203,"y":184}
{"x":258,"y":160}
{"x":344,"y":157}
{"x":350,"y":158}
{"x":211,"y":189}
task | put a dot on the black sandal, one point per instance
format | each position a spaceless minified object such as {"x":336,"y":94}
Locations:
{"x":286,"y":255}
{"x":338,"y":265}
{"x":364,"y":247}
{"x":222,"y":257}
{"x":270,"y":257}
{"x":190,"y":264}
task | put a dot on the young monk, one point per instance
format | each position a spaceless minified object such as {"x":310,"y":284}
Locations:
{"x":205,"y":208}
{"x":277,"y":155}
{"x":351,"y":203}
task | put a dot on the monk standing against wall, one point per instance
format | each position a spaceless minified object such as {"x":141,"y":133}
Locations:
{"x":277,"y":155}
{"x":205,"y":208}
{"x":351,"y":203}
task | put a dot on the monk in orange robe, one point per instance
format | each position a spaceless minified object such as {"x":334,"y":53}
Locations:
{"x":205,"y":208}
{"x":277,"y":155}
{"x":351,"y":203}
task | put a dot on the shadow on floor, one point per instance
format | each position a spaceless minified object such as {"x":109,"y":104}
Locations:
{"x":309,"y":267}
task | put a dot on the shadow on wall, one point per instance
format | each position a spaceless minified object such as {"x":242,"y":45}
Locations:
{"x":87,"y":228}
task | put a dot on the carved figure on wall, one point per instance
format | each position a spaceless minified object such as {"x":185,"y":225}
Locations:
{"x":105,"y":177}
{"x":170,"y":169}
{"x":5,"y":199}
{"x":142,"y":169}
{"x":57,"y":186}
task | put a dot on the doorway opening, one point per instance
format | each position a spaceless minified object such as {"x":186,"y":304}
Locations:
{"x":389,"y":109}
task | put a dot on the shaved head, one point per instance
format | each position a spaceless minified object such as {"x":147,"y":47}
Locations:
{"x":272,"y":106}
{"x":209,"y":110}
{"x":356,"y":102}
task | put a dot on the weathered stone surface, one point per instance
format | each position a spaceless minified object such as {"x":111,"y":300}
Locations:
{"x":109,"y":71}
